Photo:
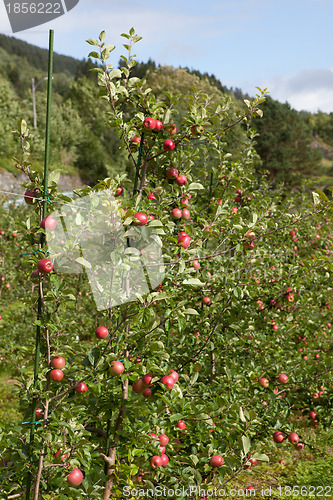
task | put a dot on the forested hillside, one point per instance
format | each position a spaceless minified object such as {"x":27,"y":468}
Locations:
{"x":290,"y":144}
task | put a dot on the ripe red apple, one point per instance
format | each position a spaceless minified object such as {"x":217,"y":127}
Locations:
{"x":119,"y":192}
{"x":238,"y":199}
{"x":253,"y":461}
{"x":197,"y":130}
{"x":158,"y":125}
{"x":184,"y":201}
{"x":168,"y":381}
{"x":313,"y":414}
{"x":181,"y":425}
{"x":117,"y":368}
{"x":172,"y":173}
{"x":165,"y":459}
{"x":56,"y":374}
{"x":290,"y":297}
{"x":264,"y":382}
{"x":299,"y":446}
{"x":140,"y":219}
{"x":138,"y":386}
{"x":278,"y":437}
{"x":176,"y":213}
{"x":149,"y":123}
{"x":34,"y":274}
{"x":58,"y":362}
{"x":75,"y":478}
{"x":174,"y":375}
{"x":181,"y":180}
{"x":29,"y":196}
{"x":45,"y":266}
{"x":147,"y":378}
{"x":282,"y":378}
{"x":135,"y":139}
{"x":156,"y":461}
{"x":185,"y":212}
{"x":293,"y":438}
{"x":206,"y":300}
{"x":151,"y":196}
{"x":184,"y":242}
{"x":234,"y":210}
{"x":163,"y":439}
{"x":216,"y":461}
{"x":168,"y":145}
{"x":196,"y":264}
{"x":146,"y":392}
{"x":101,"y":332}
{"x":48,"y":223}
{"x":250,"y":234}
{"x":81,"y":387}
{"x":275,"y":327}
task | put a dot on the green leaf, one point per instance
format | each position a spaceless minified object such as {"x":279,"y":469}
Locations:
{"x":246,"y":444}
{"x":195,"y":186}
{"x":191,"y":311}
{"x":94,"y":54}
{"x":241,"y":415}
{"x":83,"y":262}
{"x":260,"y":456}
{"x":193,"y":282}
{"x":101,"y":36}
{"x":91,"y":41}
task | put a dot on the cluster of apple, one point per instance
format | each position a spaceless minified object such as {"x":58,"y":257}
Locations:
{"x":142,"y":385}
{"x":173,"y":174}
{"x":293,"y":438}
{"x":282,"y":379}
{"x":249,"y":244}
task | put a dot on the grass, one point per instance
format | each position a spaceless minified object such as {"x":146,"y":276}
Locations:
{"x":9,"y":406}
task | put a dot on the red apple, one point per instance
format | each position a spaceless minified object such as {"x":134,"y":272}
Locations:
{"x":146,"y":379}
{"x":206,"y":300}
{"x":181,"y":425}
{"x":282,"y":378}
{"x":149,"y":123}
{"x":138,"y":386}
{"x":140,"y":219}
{"x":75,"y":478}
{"x":56,"y":374}
{"x":165,"y":459}
{"x":172,"y":173}
{"x":29,"y":196}
{"x":101,"y":332}
{"x":48,"y":223}
{"x":313,"y":414}
{"x":278,"y":437}
{"x":58,"y":362}
{"x":174,"y":375}
{"x":299,"y":446}
{"x":151,"y":196}
{"x":81,"y":387}
{"x":163,"y":439}
{"x":45,"y":266}
{"x":184,"y":201}
{"x":158,"y":125}
{"x":146,"y":392}
{"x":184,"y":242}
{"x":168,"y":381}
{"x":135,"y":139}
{"x":293,"y":438}
{"x":196,"y":264}
{"x":253,"y":461}
{"x":283,"y":462}
{"x":156,"y":461}
{"x":216,"y":461}
{"x":185,"y":212}
{"x":275,"y":327}
{"x":176,"y":213}
{"x":117,"y":368}
{"x":39,"y":413}
{"x":181,"y":180}
{"x":264,"y":382}
{"x":168,"y":145}
{"x":119,"y":192}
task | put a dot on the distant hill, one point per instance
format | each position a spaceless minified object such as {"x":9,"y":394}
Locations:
{"x":37,"y":57}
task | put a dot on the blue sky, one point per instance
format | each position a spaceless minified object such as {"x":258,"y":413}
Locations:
{"x":284,"y":45}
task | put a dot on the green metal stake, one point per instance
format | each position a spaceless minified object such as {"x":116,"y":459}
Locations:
{"x":45,"y":184}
